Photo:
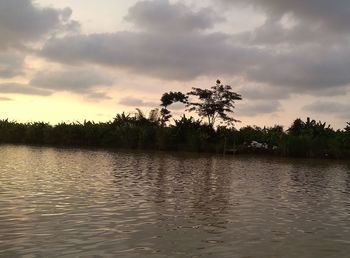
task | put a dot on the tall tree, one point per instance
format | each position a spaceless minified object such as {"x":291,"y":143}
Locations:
{"x":216,"y":103}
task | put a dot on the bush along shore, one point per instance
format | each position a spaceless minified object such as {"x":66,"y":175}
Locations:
{"x":308,"y":139}
{"x":213,"y":131}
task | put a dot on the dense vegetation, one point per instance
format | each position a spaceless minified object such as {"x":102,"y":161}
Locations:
{"x":302,"y":139}
{"x":218,"y":134}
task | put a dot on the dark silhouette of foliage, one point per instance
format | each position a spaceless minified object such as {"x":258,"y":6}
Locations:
{"x":297,"y":127}
{"x":347,"y":128}
{"x":308,"y":139}
{"x":310,"y":128}
{"x":314,"y":139}
{"x":168,"y":99}
{"x":215,"y":103}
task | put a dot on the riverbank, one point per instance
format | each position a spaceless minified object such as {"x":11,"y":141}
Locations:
{"x":305,"y":140}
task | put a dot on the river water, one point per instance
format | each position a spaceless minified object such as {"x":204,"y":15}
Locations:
{"x":96,"y":203}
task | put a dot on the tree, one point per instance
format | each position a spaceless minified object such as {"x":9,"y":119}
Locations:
{"x":168,"y":99}
{"x":297,"y":127}
{"x":310,"y":128}
{"x":347,"y":128}
{"x":215,"y":103}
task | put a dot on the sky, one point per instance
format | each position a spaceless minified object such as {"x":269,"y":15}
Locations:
{"x":72,"y":60}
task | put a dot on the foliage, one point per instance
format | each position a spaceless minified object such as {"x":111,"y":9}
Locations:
{"x":168,"y":99}
{"x":215,"y":103}
{"x":347,"y":128}
{"x":307,"y":139}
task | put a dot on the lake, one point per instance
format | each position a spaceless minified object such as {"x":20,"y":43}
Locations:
{"x":100,"y":203}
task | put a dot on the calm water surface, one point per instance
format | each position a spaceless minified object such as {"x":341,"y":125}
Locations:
{"x":85,"y":203}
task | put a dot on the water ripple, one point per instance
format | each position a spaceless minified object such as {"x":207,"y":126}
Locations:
{"x":85,"y":203}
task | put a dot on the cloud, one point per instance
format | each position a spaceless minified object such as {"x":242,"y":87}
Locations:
{"x":22,"y":21}
{"x":325,"y":14}
{"x":82,"y":81}
{"x":170,"y":45}
{"x":11,"y":64}
{"x":258,"y":108}
{"x":136,"y":102}
{"x":5,"y":99}
{"x":303,"y":55}
{"x":301,"y":48}
{"x":98,"y":96}
{"x":186,"y":57}
{"x":161,"y":53}
{"x":181,"y":57}
{"x":305,"y":69}
{"x":72,"y":79}
{"x":23,"y":89}
{"x":329,"y":108}
{"x":298,"y":21}
{"x":273,"y":32}
{"x":161,"y":15}
{"x":263,"y":92}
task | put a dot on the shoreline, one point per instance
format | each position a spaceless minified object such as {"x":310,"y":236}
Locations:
{"x":265,"y":156}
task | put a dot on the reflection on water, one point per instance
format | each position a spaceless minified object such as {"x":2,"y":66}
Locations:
{"x":84,"y":203}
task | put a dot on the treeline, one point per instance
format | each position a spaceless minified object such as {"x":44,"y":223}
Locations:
{"x":308,"y":138}
{"x":215,"y":105}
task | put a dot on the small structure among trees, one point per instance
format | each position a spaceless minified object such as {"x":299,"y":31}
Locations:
{"x":214,"y":104}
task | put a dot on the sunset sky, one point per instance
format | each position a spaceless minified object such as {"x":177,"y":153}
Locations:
{"x":71,"y":60}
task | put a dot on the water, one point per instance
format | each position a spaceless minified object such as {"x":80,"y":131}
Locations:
{"x":85,"y":203}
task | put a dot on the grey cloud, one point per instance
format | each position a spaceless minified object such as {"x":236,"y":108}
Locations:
{"x":314,"y":22}
{"x":329,"y":108}
{"x":315,"y":69}
{"x":11,"y":64}
{"x":83,"y":81}
{"x":308,"y":70}
{"x":98,"y":96}
{"x":178,"y":57}
{"x":23,"y":89}
{"x":333,"y":15}
{"x":305,"y":70}
{"x":22,"y":21}
{"x":258,"y":108}
{"x":161,"y":15}
{"x":79,"y":80}
{"x":136,"y":102}
{"x":31,"y":89}
{"x":263,"y":92}
{"x":272,"y":32}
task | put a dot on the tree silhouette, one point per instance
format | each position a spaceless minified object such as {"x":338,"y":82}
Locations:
{"x":306,"y":138}
{"x":214,"y":103}
{"x":297,"y":127}
{"x":347,"y":128}
{"x":168,"y":99}
{"x":310,"y":128}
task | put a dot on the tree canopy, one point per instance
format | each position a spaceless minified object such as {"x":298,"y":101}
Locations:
{"x":216,"y":103}
{"x":168,"y":99}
